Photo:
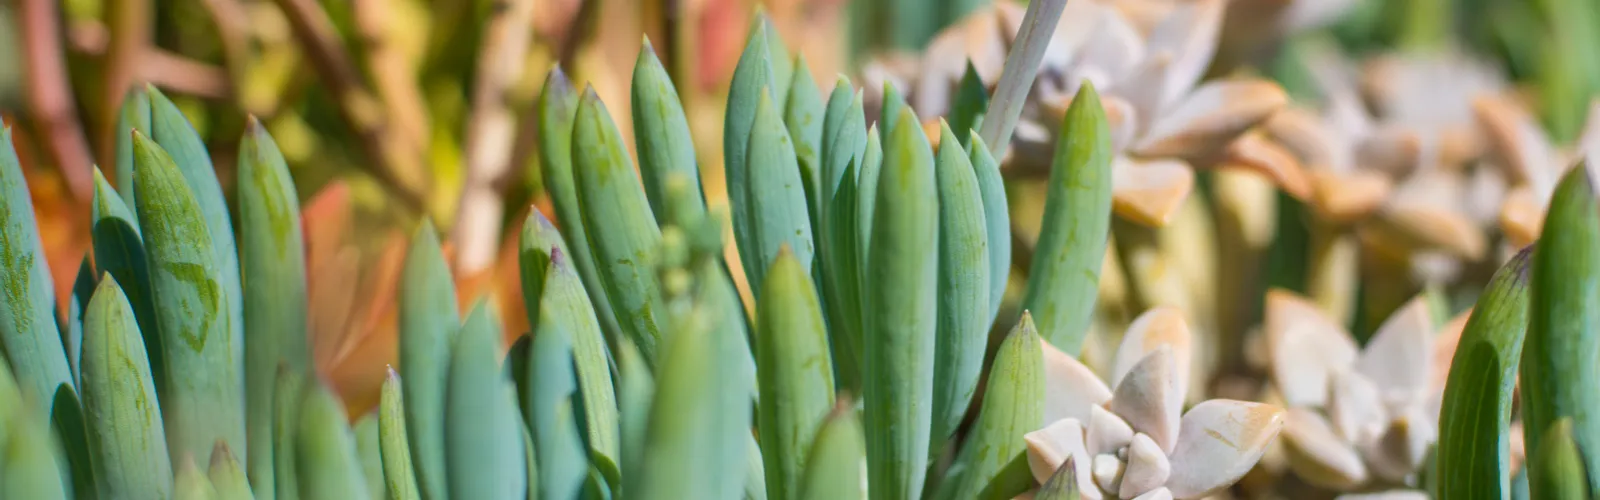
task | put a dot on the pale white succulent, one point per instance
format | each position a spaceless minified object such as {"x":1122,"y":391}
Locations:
{"x":1358,"y":416}
{"x":1135,"y":441}
{"x":1146,"y":63}
{"x":1530,"y":160}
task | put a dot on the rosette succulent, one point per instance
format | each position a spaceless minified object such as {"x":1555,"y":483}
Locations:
{"x":1359,"y":416}
{"x":1132,"y":439}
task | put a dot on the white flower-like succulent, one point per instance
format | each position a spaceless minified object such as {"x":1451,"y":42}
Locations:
{"x":1135,"y":441}
{"x":1358,"y":416}
{"x":1531,"y":161}
{"x":1146,"y":64}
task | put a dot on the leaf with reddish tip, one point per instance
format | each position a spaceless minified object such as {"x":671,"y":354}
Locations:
{"x":1161,"y":325}
{"x":1220,"y":440}
{"x":1347,"y":197}
{"x":1255,"y":152}
{"x":1517,"y":141}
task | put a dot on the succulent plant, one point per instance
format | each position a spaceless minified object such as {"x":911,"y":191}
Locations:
{"x":1531,"y":161}
{"x":1134,"y":441}
{"x":1359,"y":415}
{"x":868,"y":249}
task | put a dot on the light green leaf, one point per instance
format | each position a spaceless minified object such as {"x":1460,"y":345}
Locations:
{"x":483,"y":459}
{"x":125,"y":433}
{"x":428,"y":325}
{"x":796,"y":374}
{"x":963,"y":326}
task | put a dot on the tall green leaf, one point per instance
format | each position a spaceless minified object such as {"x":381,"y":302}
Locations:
{"x":428,"y":325}
{"x":484,"y":460}
{"x":1063,"y":280}
{"x":901,"y":299}
{"x":126,"y":435}
{"x":803,"y":115}
{"x":227,"y":476}
{"x":963,"y":327}
{"x":833,"y":466}
{"x":400,"y":479}
{"x":1560,"y":473}
{"x":1474,"y":451}
{"x":1013,"y":405}
{"x":1563,"y":347}
{"x":623,"y":234}
{"x":173,"y":132}
{"x":776,"y":197}
{"x":755,"y":75}
{"x":552,"y":396}
{"x":205,"y":399}
{"x":272,"y":256}
{"x":119,"y":253}
{"x":971,"y":100}
{"x":661,"y":130}
{"x":134,"y":115}
{"x":325,"y":459}
{"x":997,"y":220}
{"x":552,"y":291}
{"x":28,"y":330}
{"x":796,"y":374}
{"x":558,"y":107}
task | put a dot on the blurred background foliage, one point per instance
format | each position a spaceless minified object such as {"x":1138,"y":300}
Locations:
{"x":393,"y":110}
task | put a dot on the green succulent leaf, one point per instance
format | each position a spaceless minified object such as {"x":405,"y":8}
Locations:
{"x":623,"y":231}
{"x":287,"y":395}
{"x":867,"y":199}
{"x":28,"y":332}
{"x":901,"y":300}
{"x":227,"y":476}
{"x":70,"y":426}
{"x":1063,"y":280}
{"x":557,"y":109}
{"x":777,"y":197}
{"x":844,"y":144}
{"x":326,"y":462}
{"x":796,"y":374}
{"x":1562,"y":342}
{"x":997,"y":220}
{"x":635,"y":392}
{"x":371,"y":456}
{"x":428,"y":325}
{"x":119,"y":253}
{"x":272,"y":256}
{"x":1560,"y":473}
{"x":177,"y":137}
{"x":755,"y":75}
{"x":662,"y":131}
{"x":552,"y":394}
{"x":553,"y":292}
{"x":480,"y":412}
{"x":204,"y":400}
{"x":1063,"y":485}
{"x":125,"y":433}
{"x":134,"y":115}
{"x":1013,"y":405}
{"x":191,"y":483}
{"x":83,"y":286}
{"x":399,"y":477}
{"x":803,"y":115}
{"x":968,"y":105}
{"x":29,"y":465}
{"x":1474,"y":452}
{"x":963,"y":325}
{"x":698,"y":431}
{"x":833,"y":466}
